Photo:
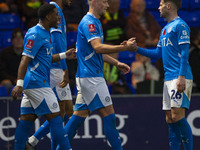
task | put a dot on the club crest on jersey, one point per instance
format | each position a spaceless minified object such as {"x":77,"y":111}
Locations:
{"x":30,"y":44}
{"x":164,"y":32}
{"x":91,"y":27}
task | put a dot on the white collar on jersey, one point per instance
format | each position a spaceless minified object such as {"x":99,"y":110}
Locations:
{"x":88,"y":13}
{"x":53,"y":3}
{"x":41,"y":26}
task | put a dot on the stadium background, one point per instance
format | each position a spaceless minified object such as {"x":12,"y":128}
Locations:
{"x":141,"y":121}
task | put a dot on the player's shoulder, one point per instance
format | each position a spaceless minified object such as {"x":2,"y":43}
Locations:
{"x":37,"y":32}
{"x":180,"y":23}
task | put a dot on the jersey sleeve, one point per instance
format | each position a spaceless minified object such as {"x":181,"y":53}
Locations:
{"x":91,"y":31}
{"x":56,"y":36}
{"x":183,"y":34}
{"x":31,"y":45}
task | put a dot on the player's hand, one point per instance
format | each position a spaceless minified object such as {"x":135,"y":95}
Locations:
{"x":123,"y":67}
{"x":17,"y":91}
{"x":181,"y":84}
{"x":71,"y":53}
{"x":130,"y":45}
{"x":65,"y":79}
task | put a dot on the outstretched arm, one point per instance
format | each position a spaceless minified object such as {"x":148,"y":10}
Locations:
{"x":69,"y":54}
{"x":152,"y":53}
{"x":107,"y":49}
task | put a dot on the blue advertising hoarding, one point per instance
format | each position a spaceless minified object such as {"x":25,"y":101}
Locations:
{"x":140,"y":121}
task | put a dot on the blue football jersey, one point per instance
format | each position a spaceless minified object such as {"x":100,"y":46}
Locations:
{"x":90,"y":64}
{"x":63,"y":40}
{"x":174,"y":34}
{"x":38,"y":46}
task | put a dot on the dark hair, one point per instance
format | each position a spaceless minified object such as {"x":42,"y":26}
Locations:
{"x":44,"y":10}
{"x":176,"y":2}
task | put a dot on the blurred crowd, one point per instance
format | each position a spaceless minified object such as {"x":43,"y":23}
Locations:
{"x":117,"y":27}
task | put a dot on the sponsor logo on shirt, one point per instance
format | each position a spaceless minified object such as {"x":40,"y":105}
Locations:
{"x":30,"y":44}
{"x":91,"y":27}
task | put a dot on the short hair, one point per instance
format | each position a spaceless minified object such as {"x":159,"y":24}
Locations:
{"x":177,"y":3}
{"x":44,"y":10}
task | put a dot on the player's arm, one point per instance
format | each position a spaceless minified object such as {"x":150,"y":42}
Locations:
{"x":56,"y":36}
{"x":121,"y":66}
{"x":69,"y":54}
{"x":183,"y":67}
{"x":152,"y":53}
{"x":20,"y":77}
{"x":107,"y":49}
{"x":183,"y":33}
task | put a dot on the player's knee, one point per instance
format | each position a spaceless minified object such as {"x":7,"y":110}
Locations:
{"x":28,"y":117}
{"x":69,"y":112}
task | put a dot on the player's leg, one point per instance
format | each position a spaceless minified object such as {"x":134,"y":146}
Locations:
{"x":178,"y":103}
{"x":21,"y":134}
{"x":98,"y":98}
{"x":45,"y":103}
{"x":74,"y":123}
{"x":173,"y":129}
{"x":26,"y":122}
{"x":68,"y":109}
{"x":58,"y":134}
{"x":57,"y":131}
{"x":178,"y":117}
{"x":109,"y":123}
{"x":173,"y":132}
{"x":64,"y":98}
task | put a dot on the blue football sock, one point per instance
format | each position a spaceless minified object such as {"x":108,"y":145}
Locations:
{"x":58,"y":134}
{"x":112,"y":134}
{"x":21,"y":134}
{"x":174,"y":136}
{"x":42,"y":131}
{"x":186,"y":134}
{"x":72,"y":125}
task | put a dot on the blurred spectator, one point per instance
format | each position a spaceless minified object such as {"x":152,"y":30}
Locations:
{"x":28,"y":11}
{"x":10,"y":58}
{"x":142,"y":70}
{"x":142,"y":25}
{"x":194,"y":58}
{"x":114,"y":78}
{"x":159,"y":66}
{"x":74,"y":13}
{"x":113,"y":23}
{"x":4,"y":7}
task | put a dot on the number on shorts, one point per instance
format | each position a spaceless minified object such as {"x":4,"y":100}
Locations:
{"x":175,"y":95}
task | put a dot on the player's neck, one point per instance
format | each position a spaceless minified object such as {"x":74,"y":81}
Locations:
{"x":94,"y":13}
{"x":171,"y":16}
{"x":45,"y":25}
